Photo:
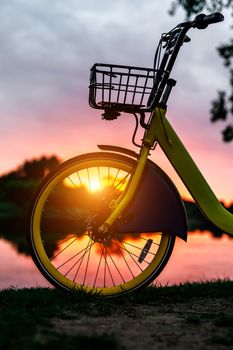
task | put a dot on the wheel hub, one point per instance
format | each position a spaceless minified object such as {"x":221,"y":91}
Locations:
{"x":95,"y":234}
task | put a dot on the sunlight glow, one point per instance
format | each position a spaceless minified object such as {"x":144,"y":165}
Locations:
{"x":97,"y":178}
{"x":95,"y":185}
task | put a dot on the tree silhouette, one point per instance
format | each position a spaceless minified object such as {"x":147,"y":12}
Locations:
{"x":34,"y":169}
{"x":19,"y":185}
{"x":37,"y":169}
{"x":222,"y":105}
{"x":16,"y":190}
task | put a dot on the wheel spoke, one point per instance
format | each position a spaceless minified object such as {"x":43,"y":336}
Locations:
{"x":157,"y":234}
{"x":105,"y":265}
{"x":61,"y":214}
{"x":122,"y":181}
{"x":131,"y":256}
{"x":137,"y":256}
{"x":126,"y":261}
{"x":65,"y":239}
{"x":63,"y":249}
{"x":109,"y":271}
{"x":119,"y":183}
{"x":80,"y":259}
{"x":68,"y":260}
{"x":88,"y":177}
{"x":134,"y":246}
{"x":73,"y":183}
{"x":115,"y":265}
{"x":118,"y":170}
{"x":97,"y":272}
{"x":108,"y":175}
{"x":88,"y":258}
{"x":100,"y":182}
{"x":79,"y":179}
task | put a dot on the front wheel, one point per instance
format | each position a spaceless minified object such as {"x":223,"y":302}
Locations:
{"x":70,"y":205}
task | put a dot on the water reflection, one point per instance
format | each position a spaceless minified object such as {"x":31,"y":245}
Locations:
{"x":18,"y":269}
{"x":13,"y":230}
{"x":95,"y":264}
{"x":68,"y":227}
{"x":204,"y":256}
{"x":201,"y":258}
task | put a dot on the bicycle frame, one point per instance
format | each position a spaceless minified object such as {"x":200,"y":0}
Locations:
{"x":161,"y":131}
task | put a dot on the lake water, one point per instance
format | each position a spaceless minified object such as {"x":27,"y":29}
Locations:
{"x":202,"y":258}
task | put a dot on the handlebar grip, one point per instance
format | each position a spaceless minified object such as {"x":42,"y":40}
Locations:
{"x":202,"y":21}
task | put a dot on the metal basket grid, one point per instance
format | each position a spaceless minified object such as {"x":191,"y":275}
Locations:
{"x":122,"y":88}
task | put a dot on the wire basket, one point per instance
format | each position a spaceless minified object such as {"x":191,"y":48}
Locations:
{"x":122,"y":88}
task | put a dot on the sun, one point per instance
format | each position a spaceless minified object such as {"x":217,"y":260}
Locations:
{"x":95,"y":185}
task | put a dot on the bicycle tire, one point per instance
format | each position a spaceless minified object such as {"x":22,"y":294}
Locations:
{"x":62,"y":235}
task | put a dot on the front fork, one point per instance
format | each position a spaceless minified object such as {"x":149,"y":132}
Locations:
{"x":121,"y":203}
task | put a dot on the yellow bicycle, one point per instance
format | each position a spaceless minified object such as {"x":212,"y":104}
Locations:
{"x":107,"y":221}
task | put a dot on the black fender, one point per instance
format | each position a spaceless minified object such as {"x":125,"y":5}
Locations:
{"x":156,"y":206}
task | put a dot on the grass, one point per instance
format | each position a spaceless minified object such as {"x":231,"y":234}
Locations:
{"x":25,"y":321}
{"x":54,"y":302}
{"x":27,"y":315}
{"x":55,"y":299}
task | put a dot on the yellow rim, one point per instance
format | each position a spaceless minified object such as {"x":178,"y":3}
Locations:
{"x":45,"y":262}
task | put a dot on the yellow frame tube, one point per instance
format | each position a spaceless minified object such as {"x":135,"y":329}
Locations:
{"x":162,"y":132}
{"x":129,"y":191}
{"x":189,"y":172}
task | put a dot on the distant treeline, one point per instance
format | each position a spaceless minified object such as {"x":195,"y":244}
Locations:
{"x":16,"y":191}
{"x":17,"y":188}
{"x":197,"y":220}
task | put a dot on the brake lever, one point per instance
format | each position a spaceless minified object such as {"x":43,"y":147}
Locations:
{"x":166,"y":39}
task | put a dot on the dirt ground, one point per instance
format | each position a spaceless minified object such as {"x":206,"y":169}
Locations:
{"x":194,"y":324}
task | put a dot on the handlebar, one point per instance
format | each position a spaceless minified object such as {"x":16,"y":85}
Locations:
{"x":202,"y":21}
{"x":173,"y":41}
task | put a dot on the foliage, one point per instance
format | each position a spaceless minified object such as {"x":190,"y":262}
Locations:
{"x":19,"y":185}
{"x":16,"y":191}
{"x":222,"y":105}
{"x":193,"y":7}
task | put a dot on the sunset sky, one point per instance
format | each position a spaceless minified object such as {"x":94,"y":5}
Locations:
{"x":47,"y":49}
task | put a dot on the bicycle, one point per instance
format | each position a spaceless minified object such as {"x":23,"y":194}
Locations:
{"x":107,"y":221}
